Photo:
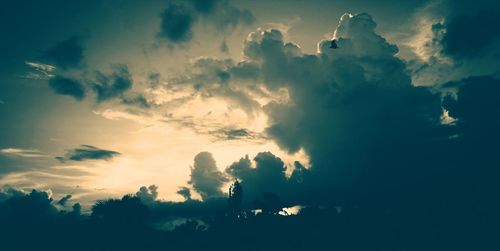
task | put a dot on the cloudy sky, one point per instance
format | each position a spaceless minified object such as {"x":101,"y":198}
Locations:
{"x":99,"y":98}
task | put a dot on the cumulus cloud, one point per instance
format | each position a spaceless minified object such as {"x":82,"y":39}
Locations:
{"x":268,"y":175}
{"x":179,"y":18}
{"x":147,"y":194}
{"x":87,"y":152}
{"x":337,"y":104}
{"x":206,"y":179}
{"x":376,"y":142}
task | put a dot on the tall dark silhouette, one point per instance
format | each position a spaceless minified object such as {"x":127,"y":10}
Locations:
{"x":235,"y":199}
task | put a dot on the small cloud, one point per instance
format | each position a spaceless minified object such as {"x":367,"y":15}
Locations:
{"x":41,"y":67}
{"x":67,"y":86}
{"x":41,"y":71}
{"x":147,"y":195}
{"x":139,"y":101}
{"x":177,"y":22}
{"x":114,"y":85}
{"x":64,"y":199}
{"x":24,"y":153}
{"x":184,"y":192}
{"x":235,"y":134}
{"x":87,"y":152}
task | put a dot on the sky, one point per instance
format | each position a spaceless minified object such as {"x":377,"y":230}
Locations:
{"x":99,"y":98}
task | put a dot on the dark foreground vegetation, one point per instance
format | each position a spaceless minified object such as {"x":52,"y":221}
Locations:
{"x":32,"y":222}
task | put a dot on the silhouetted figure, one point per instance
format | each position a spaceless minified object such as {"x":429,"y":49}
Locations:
{"x":235,"y":199}
{"x":333,"y":44}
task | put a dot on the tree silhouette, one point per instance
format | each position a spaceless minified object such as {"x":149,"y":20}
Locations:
{"x":235,"y":199}
{"x":271,"y":204}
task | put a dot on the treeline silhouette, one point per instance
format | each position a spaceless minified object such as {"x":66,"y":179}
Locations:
{"x":32,"y":222}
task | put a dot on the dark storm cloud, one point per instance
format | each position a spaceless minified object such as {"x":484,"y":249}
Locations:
{"x":461,"y":41}
{"x":178,"y":18}
{"x":476,"y":105}
{"x":471,"y":35}
{"x":67,"y":86}
{"x":342,"y":103}
{"x":358,"y":100}
{"x":65,"y":54}
{"x":206,"y":179}
{"x":86,"y":152}
{"x":386,"y":173}
{"x":113,"y":85}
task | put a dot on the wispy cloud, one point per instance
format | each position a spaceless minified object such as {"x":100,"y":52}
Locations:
{"x":87,"y":152}
{"x":24,"y":153}
{"x":41,"y":71}
{"x":41,"y":67}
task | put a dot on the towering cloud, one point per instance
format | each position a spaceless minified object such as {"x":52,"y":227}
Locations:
{"x":206,"y":179}
{"x":353,"y":110}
